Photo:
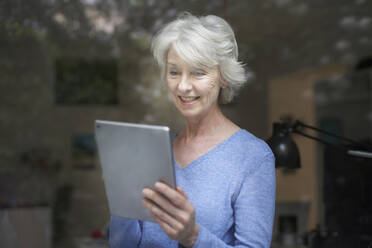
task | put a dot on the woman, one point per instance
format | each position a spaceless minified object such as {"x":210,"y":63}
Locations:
{"x":225,"y":175}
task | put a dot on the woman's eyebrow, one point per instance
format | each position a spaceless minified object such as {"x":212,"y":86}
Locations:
{"x":198,"y":69}
{"x":172,"y":64}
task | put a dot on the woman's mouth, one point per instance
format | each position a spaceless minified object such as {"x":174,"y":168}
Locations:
{"x":188,"y":100}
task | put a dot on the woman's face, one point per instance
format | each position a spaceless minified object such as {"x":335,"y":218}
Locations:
{"x":195,"y":91}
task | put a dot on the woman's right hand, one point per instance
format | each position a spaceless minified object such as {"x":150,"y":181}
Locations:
{"x":173,"y":212}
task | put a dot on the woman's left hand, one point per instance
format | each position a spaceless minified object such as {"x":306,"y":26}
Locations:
{"x":173,"y":212}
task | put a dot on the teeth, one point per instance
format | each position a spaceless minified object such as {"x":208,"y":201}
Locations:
{"x":188,"y":98}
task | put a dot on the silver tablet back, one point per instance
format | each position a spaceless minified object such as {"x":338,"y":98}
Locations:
{"x":133,"y":156}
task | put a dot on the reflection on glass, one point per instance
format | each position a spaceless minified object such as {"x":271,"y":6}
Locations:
{"x":81,"y":81}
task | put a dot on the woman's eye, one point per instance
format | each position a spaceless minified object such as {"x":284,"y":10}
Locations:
{"x":173,"y":73}
{"x":199,"y":73}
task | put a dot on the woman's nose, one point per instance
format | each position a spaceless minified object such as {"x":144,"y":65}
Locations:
{"x":184,"y":84}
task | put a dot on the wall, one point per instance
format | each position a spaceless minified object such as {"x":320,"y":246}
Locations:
{"x":292,"y":95}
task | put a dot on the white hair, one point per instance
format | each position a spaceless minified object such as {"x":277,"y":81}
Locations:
{"x":204,"y":42}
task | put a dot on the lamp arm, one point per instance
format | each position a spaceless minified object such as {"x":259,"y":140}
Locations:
{"x":301,"y":124}
{"x":355,"y":153}
{"x":314,"y":138}
{"x":361,"y":154}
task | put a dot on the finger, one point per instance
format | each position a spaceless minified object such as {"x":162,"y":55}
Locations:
{"x":161,"y":201}
{"x":167,"y":228}
{"x":173,"y":195}
{"x":179,"y":189}
{"x":184,"y":203}
{"x":159,"y":213}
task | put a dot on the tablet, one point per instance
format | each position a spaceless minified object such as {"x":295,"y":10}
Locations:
{"x":133,"y":156}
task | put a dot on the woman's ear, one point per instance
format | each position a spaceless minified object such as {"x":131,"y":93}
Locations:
{"x":223,"y":83}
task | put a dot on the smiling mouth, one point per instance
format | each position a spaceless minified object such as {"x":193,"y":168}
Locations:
{"x":188,"y":99}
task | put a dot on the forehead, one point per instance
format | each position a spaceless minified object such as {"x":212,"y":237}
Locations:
{"x":173,"y":59}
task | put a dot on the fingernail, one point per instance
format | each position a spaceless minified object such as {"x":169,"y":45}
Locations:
{"x":159,"y":185}
{"x":145,"y":191}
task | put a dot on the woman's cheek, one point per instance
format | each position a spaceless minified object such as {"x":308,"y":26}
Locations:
{"x":171,"y":85}
{"x":211,"y":85}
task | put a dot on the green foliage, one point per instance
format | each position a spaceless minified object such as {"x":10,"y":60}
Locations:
{"x":80,"y":81}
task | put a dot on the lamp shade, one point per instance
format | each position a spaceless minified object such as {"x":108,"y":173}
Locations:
{"x":284,"y":148}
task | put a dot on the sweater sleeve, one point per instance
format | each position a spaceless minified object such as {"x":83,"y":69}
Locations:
{"x":253,"y":210}
{"x":124,"y":232}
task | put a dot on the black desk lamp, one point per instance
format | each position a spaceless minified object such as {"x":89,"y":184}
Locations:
{"x":286,"y":151}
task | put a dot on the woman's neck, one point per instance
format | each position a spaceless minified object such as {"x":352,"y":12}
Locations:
{"x":206,"y":126}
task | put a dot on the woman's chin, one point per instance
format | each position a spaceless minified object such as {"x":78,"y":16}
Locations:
{"x":189,"y":112}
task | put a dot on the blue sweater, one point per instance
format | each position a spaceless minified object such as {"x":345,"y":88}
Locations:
{"x":232,"y":188}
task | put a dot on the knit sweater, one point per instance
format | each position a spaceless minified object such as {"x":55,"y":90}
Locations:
{"x":232,"y":188}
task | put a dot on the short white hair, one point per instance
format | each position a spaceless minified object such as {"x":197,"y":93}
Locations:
{"x":204,"y":42}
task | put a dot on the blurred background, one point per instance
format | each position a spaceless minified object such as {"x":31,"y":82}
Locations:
{"x":65,"y":63}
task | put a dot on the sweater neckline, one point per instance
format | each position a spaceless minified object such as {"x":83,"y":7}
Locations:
{"x":208,"y":153}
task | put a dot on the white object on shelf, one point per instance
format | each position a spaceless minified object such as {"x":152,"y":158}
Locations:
{"x":25,"y":227}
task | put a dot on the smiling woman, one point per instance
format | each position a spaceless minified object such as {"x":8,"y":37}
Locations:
{"x":203,"y":43}
{"x":225,"y":194}
{"x":195,"y":91}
